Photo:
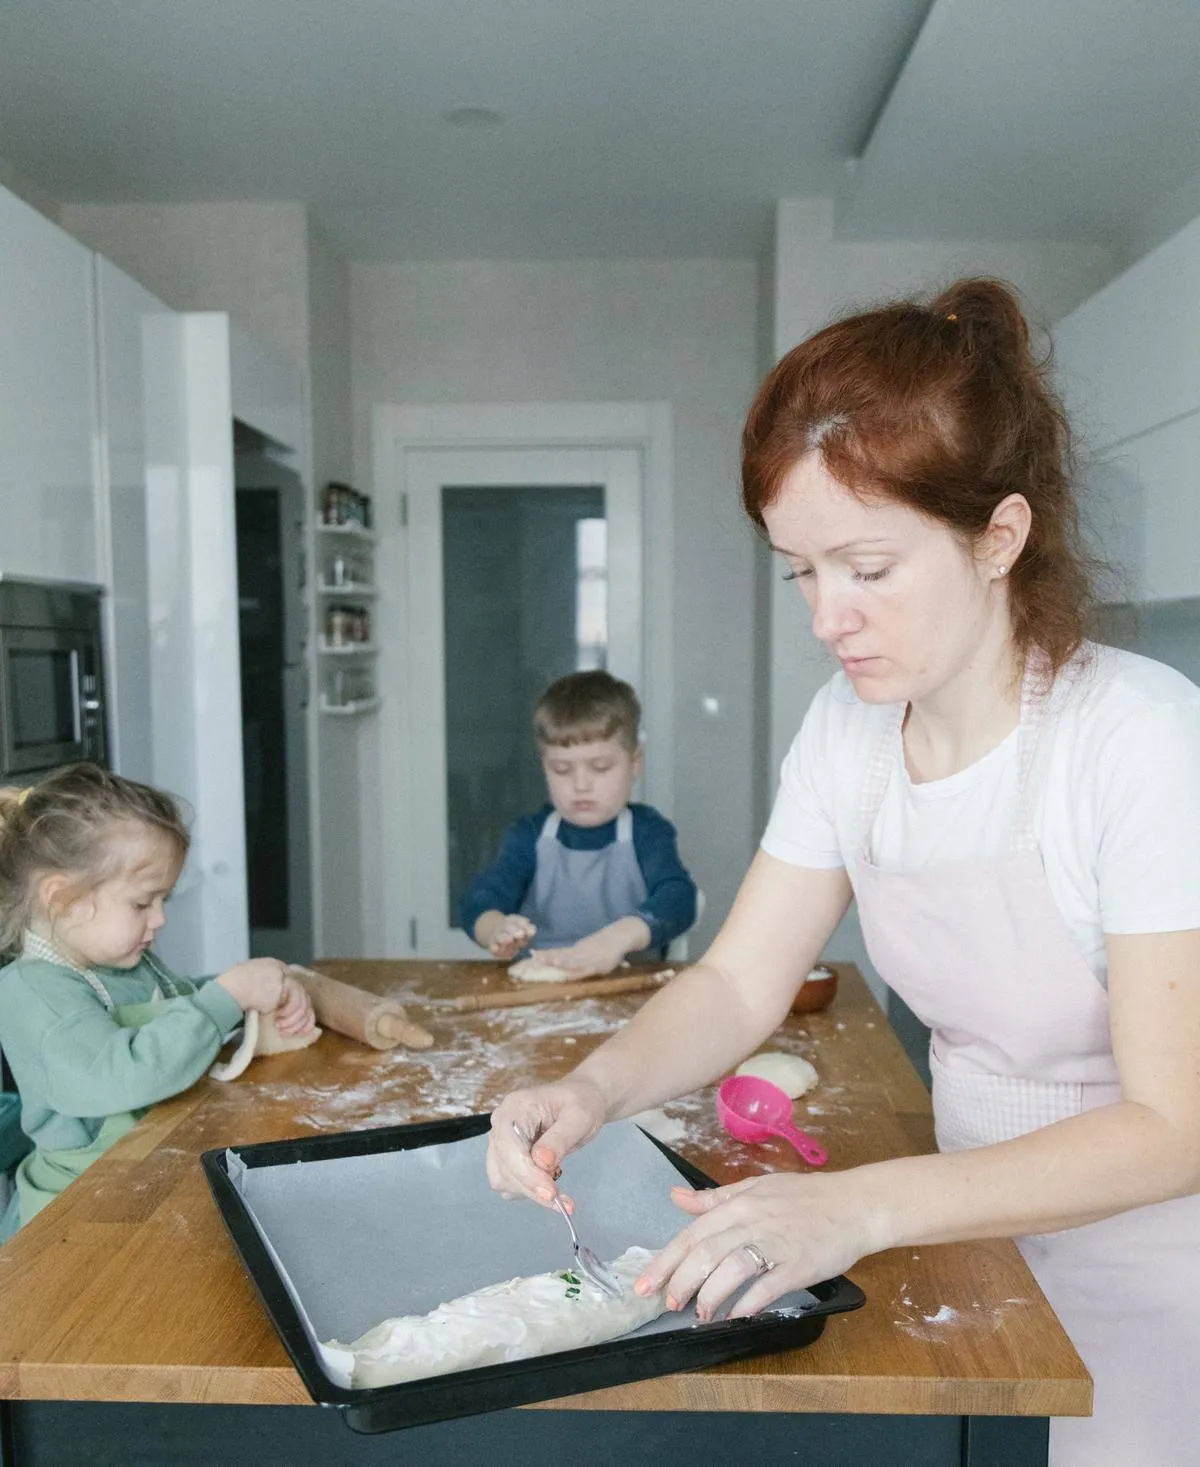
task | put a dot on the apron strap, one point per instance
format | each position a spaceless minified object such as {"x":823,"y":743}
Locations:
{"x":162,"y":977}
{"x":1035,"y":694}
{"x":888,"y":751}
{"x":625,"y":825}
{"x":887,"y":747}
{"x":549,"y":829}
{"x":37,"y":947}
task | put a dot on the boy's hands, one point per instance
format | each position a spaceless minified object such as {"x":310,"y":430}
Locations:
{"x":294,"y":1014}
{"x":601,"y":951}
{"x":257,"y":984}
{"x":504,"y":935}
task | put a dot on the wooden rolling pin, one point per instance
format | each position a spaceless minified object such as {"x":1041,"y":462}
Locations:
{"x":555,"y":992}
{"x":379,"y":1022}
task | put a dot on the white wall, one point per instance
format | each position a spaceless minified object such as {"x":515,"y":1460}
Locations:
{"x":25,"y":188}
{"x":338,"y":743}
{"x":249,"y":259}
{"x":680,"y":331}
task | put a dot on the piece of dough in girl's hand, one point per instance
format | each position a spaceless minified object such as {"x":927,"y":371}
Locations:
{"x":524,"y":1317}
{"x":260,"y":1036}
{"x":791,"y":1073}
{"x":533,"y":970}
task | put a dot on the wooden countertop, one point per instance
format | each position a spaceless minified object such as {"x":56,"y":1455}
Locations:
{"x":127,"y":1288}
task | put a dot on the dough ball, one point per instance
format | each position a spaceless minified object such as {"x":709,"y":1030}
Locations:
{"x":533,"y":970}
{"x":791,"y":1073}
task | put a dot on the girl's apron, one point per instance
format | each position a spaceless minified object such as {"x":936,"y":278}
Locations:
{"x":1020,"y":1040}
{"x":575,"y":893}
{"x":42,"y":1174}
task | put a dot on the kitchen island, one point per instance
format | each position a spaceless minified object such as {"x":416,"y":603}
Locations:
{"x":129,"y":1332}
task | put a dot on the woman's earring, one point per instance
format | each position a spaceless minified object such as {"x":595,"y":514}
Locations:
{"x":1001,"y":569}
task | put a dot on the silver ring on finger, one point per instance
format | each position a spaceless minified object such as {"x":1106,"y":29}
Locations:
{"x":762,"y":1264}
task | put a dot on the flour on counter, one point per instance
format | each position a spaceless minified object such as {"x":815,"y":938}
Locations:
{"x":664,"y":1128}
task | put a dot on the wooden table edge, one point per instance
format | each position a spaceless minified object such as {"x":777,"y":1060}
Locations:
{"x":691,"y":1391}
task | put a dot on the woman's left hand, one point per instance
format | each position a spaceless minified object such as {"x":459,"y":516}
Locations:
{"x":808,"y":1228}
{"x":295,"y":1012}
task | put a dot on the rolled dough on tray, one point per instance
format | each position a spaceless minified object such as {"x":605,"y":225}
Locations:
{"x":517,"y":1320}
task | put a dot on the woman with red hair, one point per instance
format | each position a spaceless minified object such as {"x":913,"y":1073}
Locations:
{"x":1016,"y":811}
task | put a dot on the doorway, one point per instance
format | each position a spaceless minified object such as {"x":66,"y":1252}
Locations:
{"x":269,"y":503}
{"x":523,"y":564}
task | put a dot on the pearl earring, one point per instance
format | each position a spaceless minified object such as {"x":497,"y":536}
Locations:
{"x":1001,"y":569}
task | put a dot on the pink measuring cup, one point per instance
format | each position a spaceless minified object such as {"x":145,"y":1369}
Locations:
{"x":751,"y":1109}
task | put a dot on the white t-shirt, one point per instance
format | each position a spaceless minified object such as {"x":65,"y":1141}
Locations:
{"x":1114,"y":792}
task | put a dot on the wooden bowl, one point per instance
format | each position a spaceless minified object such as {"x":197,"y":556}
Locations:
{"x":816,"y":992}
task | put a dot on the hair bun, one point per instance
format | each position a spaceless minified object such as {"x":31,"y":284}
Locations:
{"x":11,"y":800}
{"x":987,"y":312}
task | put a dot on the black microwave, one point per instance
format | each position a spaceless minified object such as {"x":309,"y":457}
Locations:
{"x":51,"y":677}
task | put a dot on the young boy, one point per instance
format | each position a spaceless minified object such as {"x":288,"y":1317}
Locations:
{"x":590,"y":876}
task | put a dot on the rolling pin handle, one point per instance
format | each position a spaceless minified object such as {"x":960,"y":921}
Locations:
{"x":391,"y":1026}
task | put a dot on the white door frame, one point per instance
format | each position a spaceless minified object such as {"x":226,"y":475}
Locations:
{"x":399,"y":429}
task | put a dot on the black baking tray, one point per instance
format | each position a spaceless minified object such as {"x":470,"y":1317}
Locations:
{"x":492,"y":1387}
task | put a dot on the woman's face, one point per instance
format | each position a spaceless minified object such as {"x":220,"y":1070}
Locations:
{"x":894,"y":595}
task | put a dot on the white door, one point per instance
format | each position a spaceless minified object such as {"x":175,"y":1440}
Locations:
{"x":521,"y":564}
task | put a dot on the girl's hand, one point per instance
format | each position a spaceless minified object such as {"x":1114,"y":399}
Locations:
{"x":533,"y":1130}
{"x":257,"y":984}
{"x":294,"y":1014}
{"x":808,"y":1227}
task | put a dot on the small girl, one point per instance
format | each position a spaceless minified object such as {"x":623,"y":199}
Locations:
{"x":94,"y":1027}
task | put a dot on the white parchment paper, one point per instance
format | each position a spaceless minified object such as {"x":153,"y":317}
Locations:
{"x":360,"y":1239}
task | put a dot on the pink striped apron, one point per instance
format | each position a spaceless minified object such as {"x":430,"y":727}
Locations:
{"x":982,"y":955}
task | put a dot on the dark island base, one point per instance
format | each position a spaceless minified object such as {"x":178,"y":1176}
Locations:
{"x":87,"y":1434}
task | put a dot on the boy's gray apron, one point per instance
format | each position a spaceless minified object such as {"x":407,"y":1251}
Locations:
{"x":575,"y":893}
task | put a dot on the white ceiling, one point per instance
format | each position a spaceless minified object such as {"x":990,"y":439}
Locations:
{"x":633,"y":127}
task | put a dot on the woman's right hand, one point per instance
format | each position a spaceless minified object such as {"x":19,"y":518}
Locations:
{"x":257,"y":984}
{"x":533,"y":1130}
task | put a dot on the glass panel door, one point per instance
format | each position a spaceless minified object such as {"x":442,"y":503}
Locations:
{"x":517,"y":603}
{"x":521,"y":565}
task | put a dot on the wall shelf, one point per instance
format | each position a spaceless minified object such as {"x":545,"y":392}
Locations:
{"x":349,"y":532}
{"x":349,"y":710}
{"x":352,"y":649}
{"x":348,"y":588}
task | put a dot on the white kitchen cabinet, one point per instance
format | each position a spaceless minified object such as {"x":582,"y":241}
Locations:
{"x":48,"y":411}
{"x":1143,"y":507}
{"x":195,"y":677}
{"x":1128,"y":358}
{"x":194,"y":391}
{"x":123,"y":308}
{"x":1128,"y":364}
